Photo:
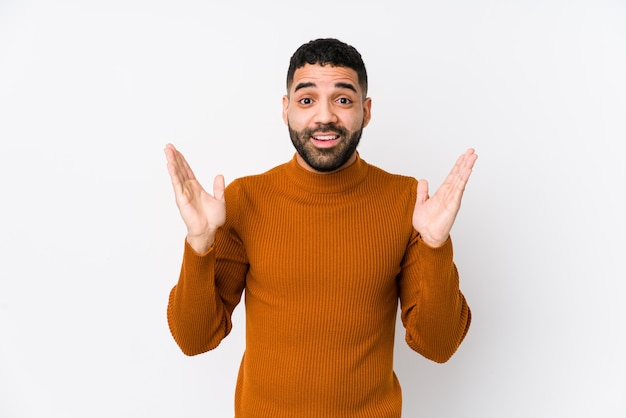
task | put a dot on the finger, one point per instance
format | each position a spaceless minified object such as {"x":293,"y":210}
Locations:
{"x":460,"y":173}
{"x":169,"y":154}
{"x":172,"y":163}
{"x":184,"y":178}
{"x":422,"y":191}
{"x":218,"y":187}
{"x":467,"y":164}
{"x":180,"y":172}
{"x":183,"y":167}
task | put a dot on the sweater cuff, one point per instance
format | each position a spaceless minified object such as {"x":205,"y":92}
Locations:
{"x":436,"y":255}
{"x":198,"y":263}
{"x":189,"y":249}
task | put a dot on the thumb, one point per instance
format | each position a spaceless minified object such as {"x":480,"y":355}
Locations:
{"x":422,"y":191}
{"x":218,"y":187}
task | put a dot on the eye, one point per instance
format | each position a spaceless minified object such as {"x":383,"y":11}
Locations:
{"x":305,"y":101}
{"x":344,"y":100}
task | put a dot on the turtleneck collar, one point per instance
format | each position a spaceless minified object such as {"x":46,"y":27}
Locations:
{"x":337,"y":182}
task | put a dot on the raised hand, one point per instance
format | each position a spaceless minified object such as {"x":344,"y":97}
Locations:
{"x":202,"y":213}
{"x":434,"y":216}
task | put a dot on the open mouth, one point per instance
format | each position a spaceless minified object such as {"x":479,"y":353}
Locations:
{"x":325,"y":137}
{"x":325,"y":140}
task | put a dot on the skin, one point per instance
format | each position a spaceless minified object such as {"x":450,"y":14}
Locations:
{"x":202,"y":212}
{"x":325,"y":102}
{"x":320,"y":96}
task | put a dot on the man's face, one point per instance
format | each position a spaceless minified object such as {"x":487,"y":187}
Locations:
{"x":326,"y":112}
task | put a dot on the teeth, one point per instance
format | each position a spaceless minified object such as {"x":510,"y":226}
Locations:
{"x":325,"y":137}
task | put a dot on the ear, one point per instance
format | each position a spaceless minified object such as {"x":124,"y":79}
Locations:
{"x":367,"y":111}
{"x":285,"y":108}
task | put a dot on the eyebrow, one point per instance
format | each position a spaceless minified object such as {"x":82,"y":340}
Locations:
{"x":340,"y":85}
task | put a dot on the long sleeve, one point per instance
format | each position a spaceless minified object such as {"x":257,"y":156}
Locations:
{"x":208,"y":290}
{"x":434,"y":311}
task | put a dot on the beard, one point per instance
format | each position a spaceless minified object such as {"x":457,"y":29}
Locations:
{"x":325,"y":160}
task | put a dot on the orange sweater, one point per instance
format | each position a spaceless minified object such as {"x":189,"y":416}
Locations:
{"x":324,"y":260}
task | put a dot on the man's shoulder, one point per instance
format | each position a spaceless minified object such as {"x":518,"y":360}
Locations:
{"x":381,"y":175}
{"x":251,"y":181}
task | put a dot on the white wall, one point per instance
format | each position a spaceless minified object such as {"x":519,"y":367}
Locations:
{"x":91,"y":241}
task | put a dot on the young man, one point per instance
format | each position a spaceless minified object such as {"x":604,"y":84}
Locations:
{"x":325,"y":246}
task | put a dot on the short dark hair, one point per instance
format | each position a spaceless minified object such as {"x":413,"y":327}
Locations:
{"x":328,"y":51}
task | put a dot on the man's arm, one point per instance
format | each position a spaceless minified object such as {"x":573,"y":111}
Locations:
{"x":434,"y":311}
{"x":201,"y":304}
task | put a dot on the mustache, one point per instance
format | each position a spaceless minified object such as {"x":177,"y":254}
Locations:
{"x":326,"y":127}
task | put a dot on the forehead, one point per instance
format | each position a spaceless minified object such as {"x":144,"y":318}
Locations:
{"x":325,"y":76}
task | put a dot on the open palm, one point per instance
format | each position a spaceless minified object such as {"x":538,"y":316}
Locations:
{"x":202,"y":212}
{"x":434,"y":216}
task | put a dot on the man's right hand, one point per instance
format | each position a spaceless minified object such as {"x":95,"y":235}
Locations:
{"x":202,"y":213}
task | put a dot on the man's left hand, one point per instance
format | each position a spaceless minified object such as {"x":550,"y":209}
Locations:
{"x":434,"y":216}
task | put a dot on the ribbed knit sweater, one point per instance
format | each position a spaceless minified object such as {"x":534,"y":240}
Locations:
{"x":324,"y":260}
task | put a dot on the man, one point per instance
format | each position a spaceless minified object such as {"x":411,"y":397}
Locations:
{"x":324,"y":246}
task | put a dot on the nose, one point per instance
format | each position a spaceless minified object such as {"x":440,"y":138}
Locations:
{"x":325,"y":112}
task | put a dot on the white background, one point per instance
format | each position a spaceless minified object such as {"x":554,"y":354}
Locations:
{"x":91,"y":240}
